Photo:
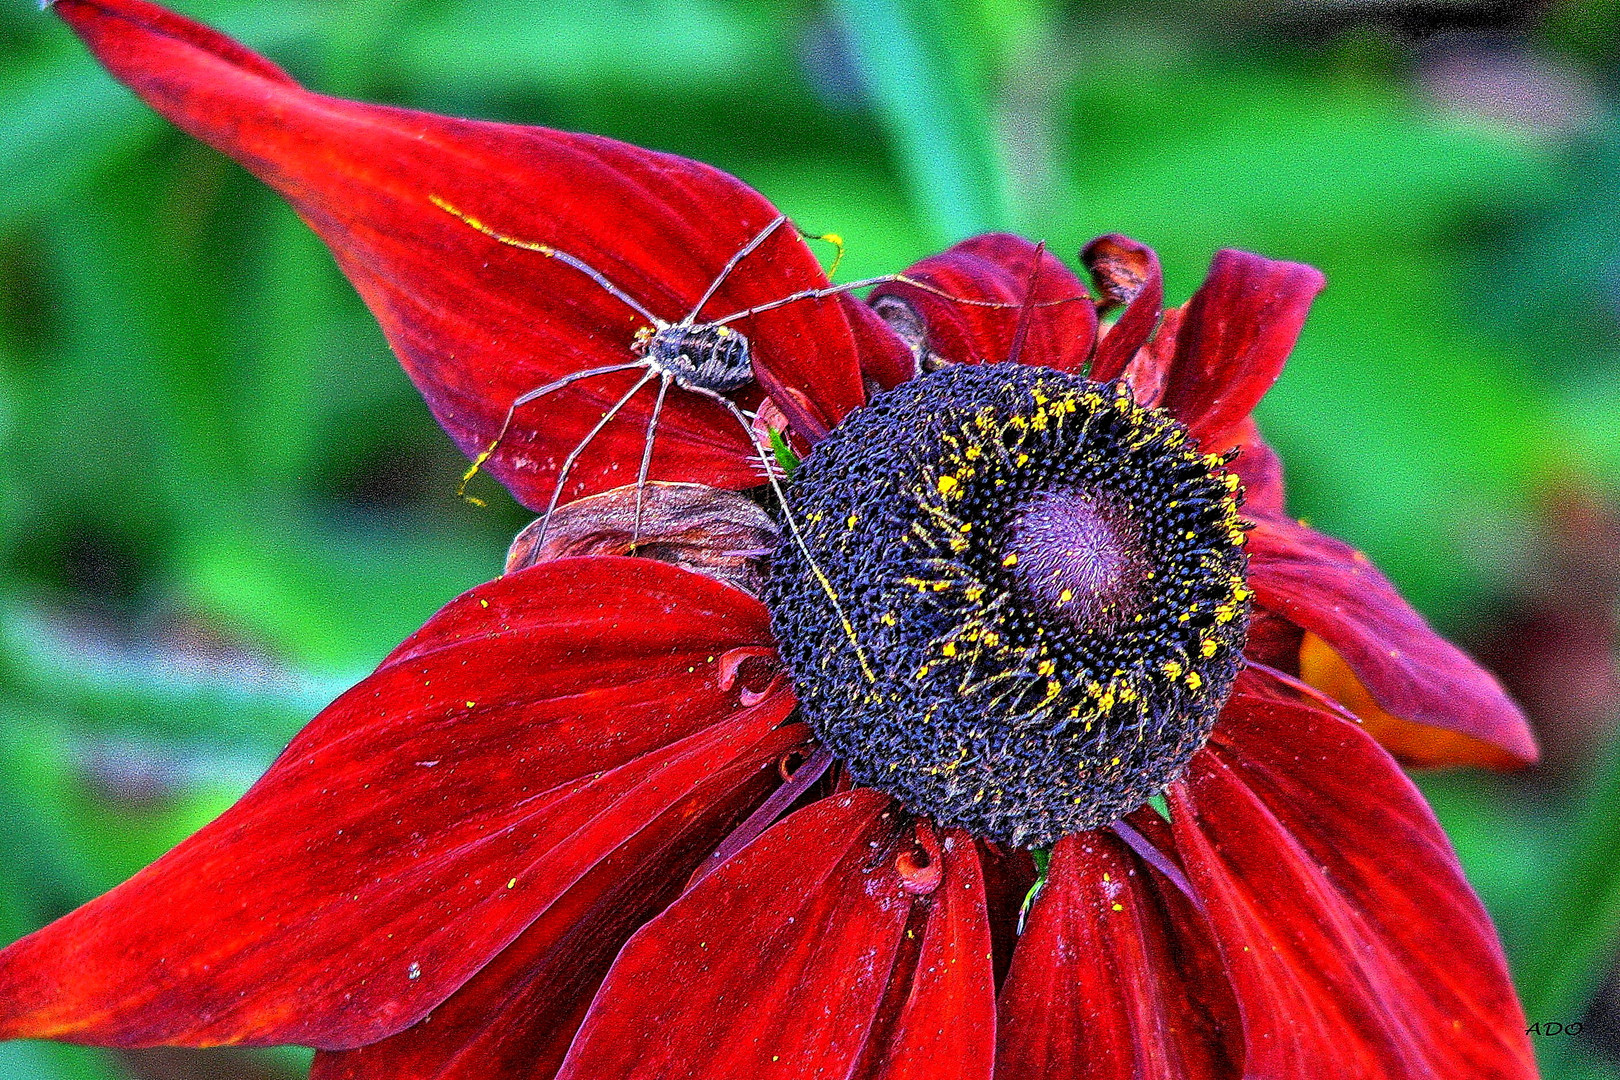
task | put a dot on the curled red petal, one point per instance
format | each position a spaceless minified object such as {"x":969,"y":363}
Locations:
{"x":996,"y":268}
{"x":1355,"y":946}
{"x":1115,"y":976}
{"x":515,"y":1018}
{"x":417,"y":826}
{"x":1335,"y":592}
{"x":477,"y":322}
{"x":1127,"y":273}
{"x":804,"y":956}
{"x":1239,"y":328}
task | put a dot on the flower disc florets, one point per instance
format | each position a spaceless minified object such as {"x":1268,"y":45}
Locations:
{"x":1015,"y":599}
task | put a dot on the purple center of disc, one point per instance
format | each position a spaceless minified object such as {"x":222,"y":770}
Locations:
{"x":1081,"y":555}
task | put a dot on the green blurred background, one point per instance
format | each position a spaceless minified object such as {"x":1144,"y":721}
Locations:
{"x":221,"y":502}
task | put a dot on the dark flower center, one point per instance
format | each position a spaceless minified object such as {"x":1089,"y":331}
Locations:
{"x":1014,"y":599}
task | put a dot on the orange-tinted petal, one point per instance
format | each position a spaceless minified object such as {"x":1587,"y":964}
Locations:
{"x":1419,"y":745}
{"x":1335,"y":592}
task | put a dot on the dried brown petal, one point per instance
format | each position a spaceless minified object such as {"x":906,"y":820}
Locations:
{"x":696,"y":527}
{"x":1121,"y":268}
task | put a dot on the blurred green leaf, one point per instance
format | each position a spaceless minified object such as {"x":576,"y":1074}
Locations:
{"x":657,"y":47}
{"x":49,"y":1061}
{"x":939,"y":121}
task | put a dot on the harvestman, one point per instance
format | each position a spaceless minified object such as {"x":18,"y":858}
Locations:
{"x":705,"y":358}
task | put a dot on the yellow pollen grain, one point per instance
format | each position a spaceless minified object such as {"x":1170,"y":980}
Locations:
{"x":1011,"y":559}
{"x":1045,"y":667}
{"x":1119,"y":907}
{"x":483,"y":603}
{"x":992,"y":639}
{"x":851,"y":521}
{"x":1065,"y":596}
{"x":949,"y":648}
{"x":887,"y":618}
{"x":1194,"y":680}
{"x":1208,"y":648}
{"x":947,"y":484}
{"x":974,"y":592}
{"x":1173,"y":668}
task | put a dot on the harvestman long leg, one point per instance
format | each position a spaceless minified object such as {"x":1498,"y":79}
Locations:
{"x":886,"y":279}
{"x":573,"y":455}
{"x":524,"y":399}
{"x":731,"y":264}
{"x":793,"y":526}
{"x":646,"y":457}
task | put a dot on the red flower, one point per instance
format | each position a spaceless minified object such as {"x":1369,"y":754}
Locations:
{"x":538,"y":841}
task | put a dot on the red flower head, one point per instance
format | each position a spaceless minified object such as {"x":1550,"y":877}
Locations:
{"x":859,"y":778}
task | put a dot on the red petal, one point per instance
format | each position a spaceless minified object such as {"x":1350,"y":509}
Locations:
{"x":886,"y":361}
{"x":806,"y":956}
{"x":1356,"y":947}
{"x":421,"y":822}
{"x":1114,"y":977}
{"x":996,"y":268}
{"x":1126,"y":272}
{"x":475,"y":322}
{"x":1148,"y":369}
{"x":1333,"y":591}
{"x":516,"y":1017}
{"x":1258,"y":466}
{"x":1239,"y":328}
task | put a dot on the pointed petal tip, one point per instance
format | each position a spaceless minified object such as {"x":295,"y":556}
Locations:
{"x":1238,"y":331}
{"x":475,"y":315}
{"x":1373,"y":636}
{"x":1355,"y":943}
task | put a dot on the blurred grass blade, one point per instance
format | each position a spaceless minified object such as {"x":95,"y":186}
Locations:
{"x":1581,"y":905}
{"x":910,"y":53}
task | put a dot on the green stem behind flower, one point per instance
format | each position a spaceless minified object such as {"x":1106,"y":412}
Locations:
{"x":912,"y":56}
